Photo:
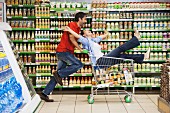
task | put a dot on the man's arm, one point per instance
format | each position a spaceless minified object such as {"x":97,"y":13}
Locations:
{"x":73,"y":40}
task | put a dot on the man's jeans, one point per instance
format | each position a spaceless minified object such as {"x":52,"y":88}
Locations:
{"x":132,"y":43}
{"x":67,"y":65}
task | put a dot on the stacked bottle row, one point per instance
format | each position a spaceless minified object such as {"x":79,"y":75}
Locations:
{"x":19,"y":35}
{"x":60,"y":14}
{"x":72,"y":81}
{"x":20,"y":12}
{"x":151,"y":25}
{"x":22,"y":24}
{"x":60,"y":23}
{"x":147,"y":81}
{"x":25,"y":47}
{"x":43,"y":47}
{"x":39,"y":35}
{"x":40,"y":58}
{"x":155,"y":35}
{"x":20,"y":2}
{"x":152,"y":15}
{"x":42,"y":23}
{"x":111,"y":15}
{"x":43,"y":70}
{"x":154,"y":55}
{"x":147,"y":67}
{"x":69,"y":5}
{"x":85,"y":69}
{"x":84,"y":58}
{"x":128,"y":35}
{"x":42,"y":11}
{"x":129,"y":5}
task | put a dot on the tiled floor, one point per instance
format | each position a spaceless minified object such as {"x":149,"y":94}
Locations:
{"x":102,"y":104}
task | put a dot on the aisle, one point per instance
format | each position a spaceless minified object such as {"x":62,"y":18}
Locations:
{"x":103,"y":104}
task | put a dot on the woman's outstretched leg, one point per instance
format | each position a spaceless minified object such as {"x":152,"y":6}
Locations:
{"x":132,"y":43}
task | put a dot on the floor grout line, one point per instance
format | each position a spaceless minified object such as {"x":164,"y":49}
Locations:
{"x":151,"y":100}
{"x":59,"y":104}
{"x":107,"y":103}
{"x":122,"y":103}
{"x":75,"y":104}
{"x":41,"y":106}
{"x":139,"y":104}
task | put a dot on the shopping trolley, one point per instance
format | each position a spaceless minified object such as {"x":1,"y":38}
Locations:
{"x":112,"y":72}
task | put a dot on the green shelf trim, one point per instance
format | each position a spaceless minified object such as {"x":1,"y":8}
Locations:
{"x":43,"y":40}
{"x":147,"y":86}
{"x":105,"y":50}
{"x":45,"y":74}
{"x":23,"y":29}
{"x":155,"y":61}
{"x":156,"y":30}
{"x":29,"y":5}
{"x":26,"y":52}
{"x":145,"y":50}
{"x":48,"y":64}
{"x":118,"y":86}
{"x":21,"y":6}
{"x":46,"y":17}
{"x":167,"y":19}
{"x":89,"y":74}
{"x":77,"y":74}
{"x":32,"y":75}
{"x":44,"y":52}
{"x":20,"y":41}
{"x":21,"y":17}
{"x":68,"y":9}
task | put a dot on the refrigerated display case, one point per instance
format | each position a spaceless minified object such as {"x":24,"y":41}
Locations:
{"x":16,"y":92}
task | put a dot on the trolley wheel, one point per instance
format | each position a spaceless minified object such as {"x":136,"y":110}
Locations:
{"x":88,"y":97}
{"x":90,"y":101}
{"x":128,"y":99}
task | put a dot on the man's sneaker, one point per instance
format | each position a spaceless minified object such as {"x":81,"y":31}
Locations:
{"x":45,"y":98}
{"x":58,"y":78}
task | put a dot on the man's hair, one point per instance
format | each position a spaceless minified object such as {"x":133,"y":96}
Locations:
{"x":79,"y":15}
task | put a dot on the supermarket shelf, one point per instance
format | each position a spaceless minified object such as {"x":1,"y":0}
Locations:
{"x":106,"y":9}
{"x":37,"y":64}
{"x":82,"y":74}
{"x":23,"y":29}
{"x":117,"y":86}
{"x":124,"y":40}
{"x":110,"y":20}
{"x":59,"y":17}
{"x":155,"y":30}
{"x":113,"y":30}
{"x":49,"y":74}
{"x":69,"y":9}
{"x":65,"y":86}
{"x":21,"y":17}
{"x":135,"y":20}
{"x":147,"y":86}
{"x":42,"y":5}
{"x":137,"y":50}
{"x":26,"y":52}
{"x":147,"y":72}
{"x":154,"y":61}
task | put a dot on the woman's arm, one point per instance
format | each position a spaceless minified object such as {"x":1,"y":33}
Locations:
{"x":106,"y":33}
{"x":72,"y":32}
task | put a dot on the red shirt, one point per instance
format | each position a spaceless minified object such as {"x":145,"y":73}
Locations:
{"x":65,"y":44}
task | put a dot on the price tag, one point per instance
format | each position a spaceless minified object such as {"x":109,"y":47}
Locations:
{"x":9,"y":5}
{"x":25,"y":40}
{"x":52,"y":17}
{"x":9,"y":17}
{"x":25,"y":17}
{"x":154,"y":86}
{"x":122,"y":29}
{"x":38,"y":17}
{"x":20,"y":5}
{"x":37,"y":28}
{"x":77,"y":10}
{"x":136,"y":86}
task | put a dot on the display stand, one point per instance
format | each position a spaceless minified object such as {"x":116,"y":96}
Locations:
{"x":30,"y":99}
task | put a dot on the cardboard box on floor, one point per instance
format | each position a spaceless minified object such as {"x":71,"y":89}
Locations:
{"x":163,"y":106}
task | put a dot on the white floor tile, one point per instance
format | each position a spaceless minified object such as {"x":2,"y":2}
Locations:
{"x":102,"y":104}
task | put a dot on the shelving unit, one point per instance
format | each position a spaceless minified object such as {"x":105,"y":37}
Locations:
{"x":53,"y":33}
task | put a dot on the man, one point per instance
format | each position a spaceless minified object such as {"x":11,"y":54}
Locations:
{"x":67,"y":62}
